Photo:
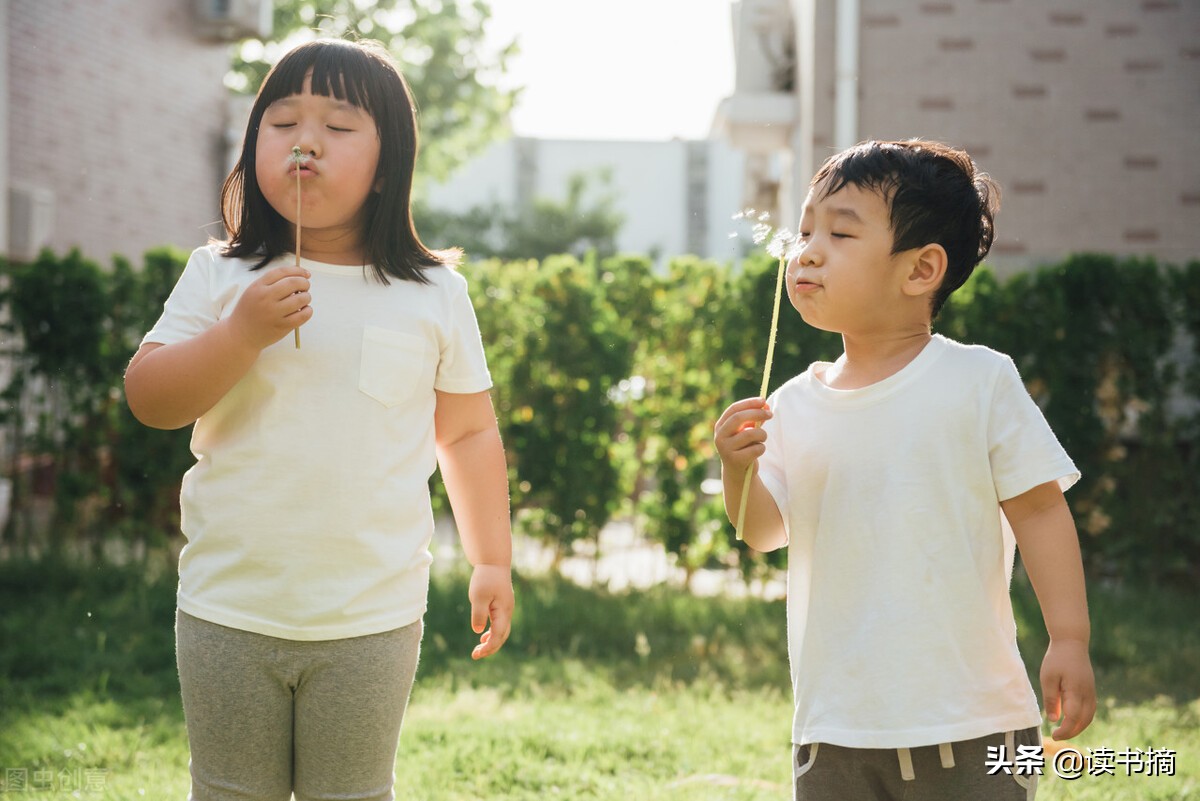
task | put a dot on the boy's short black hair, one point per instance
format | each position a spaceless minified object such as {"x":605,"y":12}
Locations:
{"x":935,"y":194}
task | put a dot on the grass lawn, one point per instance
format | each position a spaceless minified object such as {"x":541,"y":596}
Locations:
{"x":646,"y":695}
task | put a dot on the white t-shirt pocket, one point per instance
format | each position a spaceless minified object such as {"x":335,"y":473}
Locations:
{"x":394,"y":365}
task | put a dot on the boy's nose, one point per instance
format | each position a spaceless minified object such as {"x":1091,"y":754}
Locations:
{"x":808,"y":256}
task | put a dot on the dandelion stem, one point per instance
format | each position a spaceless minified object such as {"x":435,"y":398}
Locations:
{"x":741,"y":515}
{"x":297,"y":155}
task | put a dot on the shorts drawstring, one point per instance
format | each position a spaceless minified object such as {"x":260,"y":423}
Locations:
{"x":904,"y":755}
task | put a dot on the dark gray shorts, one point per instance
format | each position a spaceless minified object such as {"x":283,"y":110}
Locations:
{"x":961,"y":771}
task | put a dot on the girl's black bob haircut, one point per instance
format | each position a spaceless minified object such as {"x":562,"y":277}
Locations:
{"x":364,"y":74}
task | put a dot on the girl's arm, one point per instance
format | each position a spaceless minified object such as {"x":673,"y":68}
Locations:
{"x":170,"y":386}
{"x":471,"y":458}
{"x":1045,"y":533}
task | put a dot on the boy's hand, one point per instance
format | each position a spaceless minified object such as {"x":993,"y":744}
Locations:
{"x":272,"y":307}
{"x":738,"y":435}
{"x":1068,"y":687}
{"x":491,"y":596}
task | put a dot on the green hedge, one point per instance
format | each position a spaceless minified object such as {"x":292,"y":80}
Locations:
{"x":609,"y":376}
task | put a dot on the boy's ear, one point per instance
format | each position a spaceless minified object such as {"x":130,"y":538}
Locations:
{"x":927,"y":268}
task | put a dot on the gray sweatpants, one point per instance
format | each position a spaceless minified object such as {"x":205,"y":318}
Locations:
{"x":268,"y":717}
{"x":948,"y":772}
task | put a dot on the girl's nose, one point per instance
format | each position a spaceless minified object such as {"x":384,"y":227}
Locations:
{"x":308,"y":143}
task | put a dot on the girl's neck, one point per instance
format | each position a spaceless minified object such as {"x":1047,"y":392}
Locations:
{"x":870,"y":359}
{"x":340,"y":246}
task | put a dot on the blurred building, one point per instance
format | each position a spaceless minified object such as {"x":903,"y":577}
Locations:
{"x":113,"y":120}
{"x":676,"y":196}
{"x":1086,"y":113}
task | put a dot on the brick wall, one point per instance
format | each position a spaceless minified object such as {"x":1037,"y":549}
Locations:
{"x":116,"y":108}
{"x":1086,"y":112}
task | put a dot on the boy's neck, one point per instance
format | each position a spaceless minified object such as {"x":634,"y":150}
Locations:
{"x":872,"y":358}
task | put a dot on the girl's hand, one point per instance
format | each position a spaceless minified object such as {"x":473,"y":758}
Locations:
{"x":491,"y":596}
{"x":272,"y":307}
{"x":738,"y":435}
{"x":1068,"y":687}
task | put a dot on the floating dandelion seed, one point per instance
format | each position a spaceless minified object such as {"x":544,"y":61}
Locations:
{"x":784,"y":246}
{"x":298,"y":158}
{"x":760,"y":233}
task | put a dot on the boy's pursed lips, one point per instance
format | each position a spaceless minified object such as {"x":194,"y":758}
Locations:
{"x":805,"y":283}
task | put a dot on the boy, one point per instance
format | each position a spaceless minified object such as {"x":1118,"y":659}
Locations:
{"x":893,"y":476}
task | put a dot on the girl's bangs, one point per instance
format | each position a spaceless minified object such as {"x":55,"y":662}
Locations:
{"x":339,"y":72}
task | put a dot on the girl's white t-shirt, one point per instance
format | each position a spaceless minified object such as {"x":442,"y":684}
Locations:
{"x":307,"y":513}
{"x":900,"y":626}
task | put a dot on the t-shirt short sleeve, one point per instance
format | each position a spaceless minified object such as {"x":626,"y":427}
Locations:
{"x":191,"y":307}
{"x":1023,"y":449}
{"x":462,"y":365}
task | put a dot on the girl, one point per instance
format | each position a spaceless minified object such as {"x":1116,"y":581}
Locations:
{"x":304,"y":579}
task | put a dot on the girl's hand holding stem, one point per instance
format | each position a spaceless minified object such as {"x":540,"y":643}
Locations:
{"x":272,"y":306}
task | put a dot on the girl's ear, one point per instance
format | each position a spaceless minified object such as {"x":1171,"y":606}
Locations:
{"x":927,"y":268}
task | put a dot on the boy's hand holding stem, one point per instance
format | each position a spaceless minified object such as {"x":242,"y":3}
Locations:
{"x":740,"y":441}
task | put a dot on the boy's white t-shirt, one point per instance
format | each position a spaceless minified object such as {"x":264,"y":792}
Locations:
{"x":900,"y":625}
{"x":307,"y":513}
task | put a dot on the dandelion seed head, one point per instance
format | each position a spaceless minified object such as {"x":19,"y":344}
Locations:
{"x":298,"y":156}
{"x":780,"y":244}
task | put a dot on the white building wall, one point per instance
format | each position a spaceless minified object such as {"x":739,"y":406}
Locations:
{"x":649,"y":183}
{"x":726,"y":190}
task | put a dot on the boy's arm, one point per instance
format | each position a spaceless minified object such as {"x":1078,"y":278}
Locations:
{"x":471,"y":458}
{"x":740,"y":440}
{"x":170,"y":386}
{"x":1045,"y":534}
